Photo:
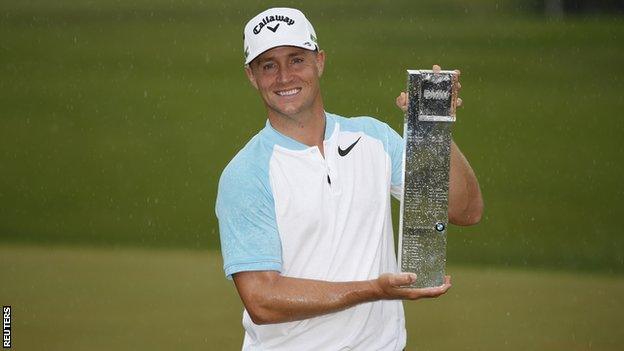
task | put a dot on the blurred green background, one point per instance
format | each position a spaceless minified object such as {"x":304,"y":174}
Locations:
{"x":117,"y":118}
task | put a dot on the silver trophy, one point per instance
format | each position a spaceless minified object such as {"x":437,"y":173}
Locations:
{"x":424,"y":207}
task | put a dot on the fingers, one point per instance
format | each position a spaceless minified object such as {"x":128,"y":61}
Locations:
{"x":401,"y":101}
{"x":433,"y":292}
{"x":437,"y":69}
{"x":414,"y":294}
{"x":459,"y":102}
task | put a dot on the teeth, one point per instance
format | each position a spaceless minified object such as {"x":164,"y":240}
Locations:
{"x":288,"y":92}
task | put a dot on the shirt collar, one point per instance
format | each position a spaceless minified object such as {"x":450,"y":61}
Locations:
{"x":290,"y":143}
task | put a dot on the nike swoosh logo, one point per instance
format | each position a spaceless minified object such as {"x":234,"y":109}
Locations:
{"x":273,"y":29}
{"x":344,"y":152}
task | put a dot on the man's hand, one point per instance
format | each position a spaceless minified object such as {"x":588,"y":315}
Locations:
{"x":401,"y":100}
{"x":392,"y":287}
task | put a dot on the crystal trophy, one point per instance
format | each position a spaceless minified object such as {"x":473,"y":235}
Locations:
{"x":424,"y":206}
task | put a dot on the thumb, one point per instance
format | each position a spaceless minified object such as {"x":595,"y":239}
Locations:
{"x":402,"y":279}
{"x":401,"y":101}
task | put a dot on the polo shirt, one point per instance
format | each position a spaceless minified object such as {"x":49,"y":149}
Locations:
{"x":283,"y":206}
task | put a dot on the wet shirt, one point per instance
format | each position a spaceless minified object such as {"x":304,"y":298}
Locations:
{"x":282,"y":206}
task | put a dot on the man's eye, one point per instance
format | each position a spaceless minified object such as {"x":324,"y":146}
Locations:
{"x":268,"y":66}
{"x":297,"y":60}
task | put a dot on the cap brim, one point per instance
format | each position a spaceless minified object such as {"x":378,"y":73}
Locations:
{"x":262,"y":50}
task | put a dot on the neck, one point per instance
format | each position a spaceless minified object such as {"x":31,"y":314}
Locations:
{"x":307,"y":127}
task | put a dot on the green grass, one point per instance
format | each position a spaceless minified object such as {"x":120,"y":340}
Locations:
{"x":135,"y":299}
{"x":118,"y":117}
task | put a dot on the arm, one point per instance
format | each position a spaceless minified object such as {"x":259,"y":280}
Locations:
{"x":465,"y":201}
{"x":272,"y":298}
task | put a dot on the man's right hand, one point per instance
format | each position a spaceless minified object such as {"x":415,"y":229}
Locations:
{"x":393,"y":287}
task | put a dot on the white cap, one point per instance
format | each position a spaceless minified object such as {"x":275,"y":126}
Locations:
{"x":279,"y":26}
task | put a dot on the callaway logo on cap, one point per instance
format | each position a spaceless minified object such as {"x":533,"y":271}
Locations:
{"x":275,"y":27}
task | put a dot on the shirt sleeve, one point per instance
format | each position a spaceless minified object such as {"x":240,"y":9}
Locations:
{"x":396,"y":149}
{"x":247,"y":224}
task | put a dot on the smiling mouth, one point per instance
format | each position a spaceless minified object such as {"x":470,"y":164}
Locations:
{"x":289,"y":92}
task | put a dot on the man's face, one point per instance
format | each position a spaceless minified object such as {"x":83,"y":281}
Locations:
{"x":287,"y":78}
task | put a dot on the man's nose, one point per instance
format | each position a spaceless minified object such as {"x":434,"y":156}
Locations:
{"x":284,"y":75}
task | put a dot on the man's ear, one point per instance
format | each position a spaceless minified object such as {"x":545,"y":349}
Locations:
{"x":320,"y":62}
{"x":250,"y":76}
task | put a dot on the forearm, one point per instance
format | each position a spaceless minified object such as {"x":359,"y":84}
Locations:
{"x":278,"y":299}
{"x":465,"y":201}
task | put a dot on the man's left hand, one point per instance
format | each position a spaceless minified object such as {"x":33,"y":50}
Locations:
{"x":401,"y":100}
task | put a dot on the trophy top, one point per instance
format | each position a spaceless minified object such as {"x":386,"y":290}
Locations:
{"x":433,"y":94}
{"x":422,"y":71}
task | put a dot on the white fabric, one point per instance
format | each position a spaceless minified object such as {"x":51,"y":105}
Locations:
{"x":335,"y":232}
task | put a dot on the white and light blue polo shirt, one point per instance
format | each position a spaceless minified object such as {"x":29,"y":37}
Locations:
{"x":284,"y":207}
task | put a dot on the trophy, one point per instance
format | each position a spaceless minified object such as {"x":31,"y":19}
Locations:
{"x":424,"y":206}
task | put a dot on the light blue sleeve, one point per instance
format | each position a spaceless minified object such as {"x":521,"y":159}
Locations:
{"x":247,"y":224}
{"x":396,"y":148}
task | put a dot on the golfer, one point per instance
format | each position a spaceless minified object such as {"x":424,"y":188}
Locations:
{"x":304,"y":207}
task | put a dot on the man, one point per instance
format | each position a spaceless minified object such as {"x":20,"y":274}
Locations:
{"x":304,"y":207}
